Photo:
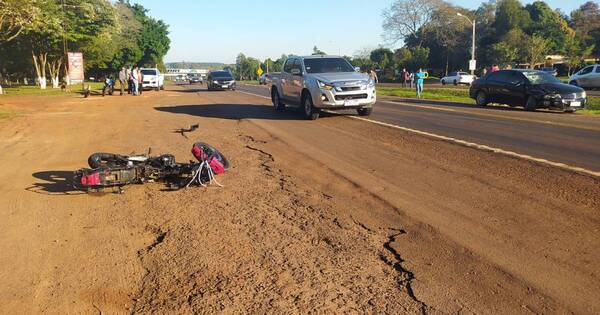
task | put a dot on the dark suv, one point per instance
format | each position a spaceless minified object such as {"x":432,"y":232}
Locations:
{"x":531,"y":89}
{"x":220,"y":80}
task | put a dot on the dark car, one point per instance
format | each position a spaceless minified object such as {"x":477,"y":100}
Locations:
{"x":220,"y":80}
{"x":531,"y":89}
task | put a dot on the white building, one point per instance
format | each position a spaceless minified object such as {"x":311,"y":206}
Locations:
{"x":185,"y":73}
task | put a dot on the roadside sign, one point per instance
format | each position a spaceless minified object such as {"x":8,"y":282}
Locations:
{"x":75,"y":61}
{"x":472,"y":64}
{"x":259,"y":71}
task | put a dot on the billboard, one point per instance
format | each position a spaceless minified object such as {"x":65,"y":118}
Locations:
{"x":75,"y":60}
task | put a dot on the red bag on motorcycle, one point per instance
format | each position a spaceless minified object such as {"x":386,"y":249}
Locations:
{"x":206,"y":153}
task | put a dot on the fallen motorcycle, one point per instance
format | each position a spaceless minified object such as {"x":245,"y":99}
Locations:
{"x":109,"y":170}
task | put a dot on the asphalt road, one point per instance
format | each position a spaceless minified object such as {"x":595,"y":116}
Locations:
{"x":558,"y":137}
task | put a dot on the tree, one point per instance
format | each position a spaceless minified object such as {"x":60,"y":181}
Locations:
{"x":548,"y":24}
{"x":154,"y":38}
{"x":317,"y":51}
{"x":510,"y":14}
{"x":575,"y":53}
{"x":406,"y":18}
{"x":535,"y":51}
{"x":15,"y":15}
{"x":502,"y":53}
{"x":586,"y":23}
{"x":382,"y":57}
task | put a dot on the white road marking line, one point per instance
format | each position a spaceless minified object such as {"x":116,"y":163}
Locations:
{"x":420,"y":106}
{"x":253,"y":94}
{"x":483,"y":147}
{"x":468,"y":144}
{"x":468,"y":112}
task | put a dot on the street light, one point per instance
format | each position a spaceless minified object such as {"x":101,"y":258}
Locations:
{"x":472,"y":47}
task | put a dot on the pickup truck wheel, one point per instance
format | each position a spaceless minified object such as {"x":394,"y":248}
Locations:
{"x":455,"y":83}
{"x":531,"y":104}
{"x":310,"y":112}
{"x":277,"y":103}
{"x":443,"y":82}
{"x":365,"y":111}
{"x":156,"y":89}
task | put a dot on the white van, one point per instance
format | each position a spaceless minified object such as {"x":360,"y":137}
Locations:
{"x":153,"y":79}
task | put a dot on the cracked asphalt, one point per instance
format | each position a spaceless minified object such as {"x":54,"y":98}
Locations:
{"x":334,"y":215}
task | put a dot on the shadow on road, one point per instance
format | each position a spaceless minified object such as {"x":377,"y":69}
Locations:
{"x":235,"y":111}
{"x":54,"y":183}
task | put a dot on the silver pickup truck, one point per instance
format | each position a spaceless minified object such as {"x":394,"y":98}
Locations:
{"x":322,"y":82}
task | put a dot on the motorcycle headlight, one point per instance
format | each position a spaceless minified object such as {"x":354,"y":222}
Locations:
{"x":325,"y":86}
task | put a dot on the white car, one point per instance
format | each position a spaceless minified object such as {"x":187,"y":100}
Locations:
{"x":457,"y":78}
{"x":588,"y":77}
{"x":153,"y":79}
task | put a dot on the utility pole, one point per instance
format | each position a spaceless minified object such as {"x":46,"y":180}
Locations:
{"x":471,"y":66}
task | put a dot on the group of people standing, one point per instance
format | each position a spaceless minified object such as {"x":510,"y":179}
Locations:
{"x":134,"y":78}
{"x":416,"y":79}
{"x":407,"y":78}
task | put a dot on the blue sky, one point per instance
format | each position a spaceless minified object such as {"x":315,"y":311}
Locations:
{"x":216,"y":31}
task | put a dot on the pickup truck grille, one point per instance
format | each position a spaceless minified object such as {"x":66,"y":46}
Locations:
{"x":350,"y":88}
{"x":350,"y":97}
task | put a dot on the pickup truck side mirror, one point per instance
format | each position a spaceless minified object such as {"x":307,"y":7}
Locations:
{"x":356,"y":69}
{"x":296,"y":72}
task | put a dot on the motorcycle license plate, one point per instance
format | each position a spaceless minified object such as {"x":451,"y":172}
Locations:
{"x":351,"y":103}
{"x":575,"y":104}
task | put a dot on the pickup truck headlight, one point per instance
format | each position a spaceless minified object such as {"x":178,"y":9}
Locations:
{"x":583,"y":95}
{"x":371,"y":83}
{"x":325,"y":86}
{"x":216,"y":82}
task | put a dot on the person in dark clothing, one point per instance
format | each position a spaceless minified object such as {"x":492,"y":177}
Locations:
{"x":404,"y":77}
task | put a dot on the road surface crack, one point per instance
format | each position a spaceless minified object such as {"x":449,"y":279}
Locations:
{"x":406,"y":276}
{"x":160,"y":236}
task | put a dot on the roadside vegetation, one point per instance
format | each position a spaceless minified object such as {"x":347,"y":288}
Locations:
{"x":32,"y":90}
{"x":34,"y":36}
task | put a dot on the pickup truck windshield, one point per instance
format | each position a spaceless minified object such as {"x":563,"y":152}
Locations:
{"x":327,"y":65}
{"x":149,"y":72}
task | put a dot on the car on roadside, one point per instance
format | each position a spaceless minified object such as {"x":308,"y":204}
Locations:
{"x":153,"y":79}
{"x":220,"y":80}
{"x":457,"y":78}
{"x":195,"y":79}
{"x":588,"y":77}
{"x":318,"y":82}
{"x":531,"y":89}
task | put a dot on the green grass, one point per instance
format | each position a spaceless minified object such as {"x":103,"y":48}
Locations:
{"x":593,"y":106}
{"x":28,"y":90}
{"x":442,"y":94}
